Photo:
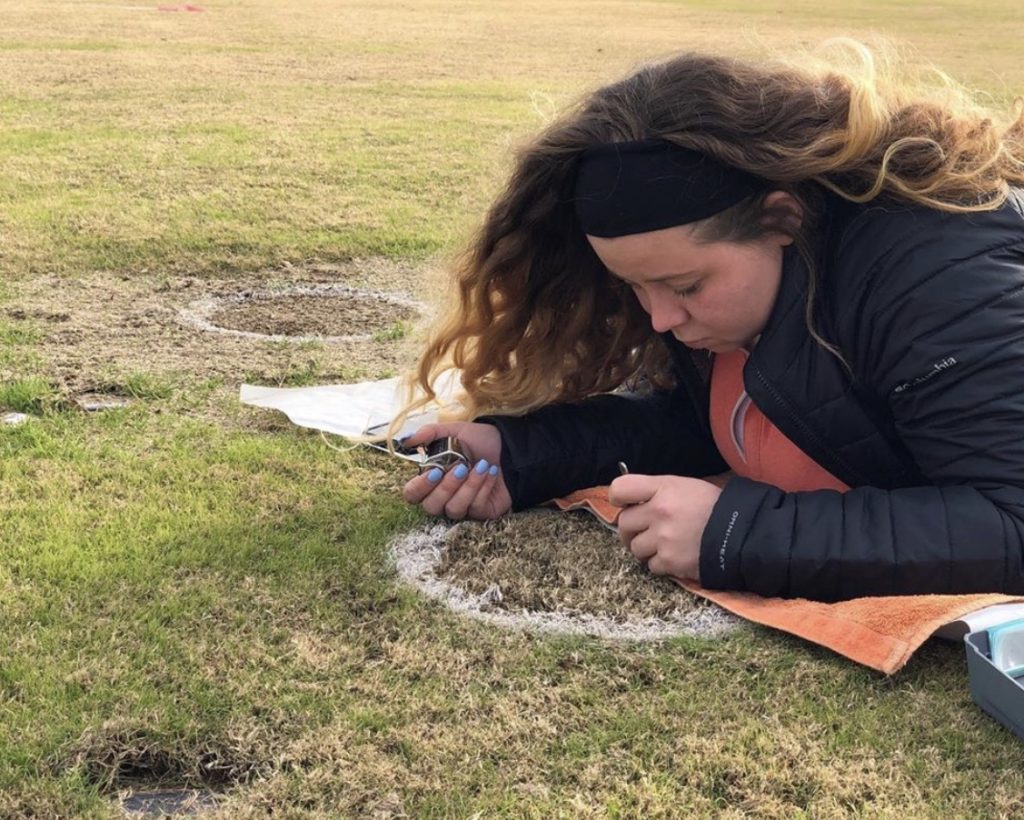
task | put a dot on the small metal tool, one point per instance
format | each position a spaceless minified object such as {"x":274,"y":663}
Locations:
{"x":442,"y":452}
{"x":624,"y":470}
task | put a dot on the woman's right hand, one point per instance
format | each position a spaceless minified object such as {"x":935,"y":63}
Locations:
{"x":477,"y":491}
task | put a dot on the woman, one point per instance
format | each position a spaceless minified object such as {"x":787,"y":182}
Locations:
{"x":816,"y":276}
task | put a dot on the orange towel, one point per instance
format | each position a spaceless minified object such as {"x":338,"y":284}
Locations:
{"x":880,"y":632}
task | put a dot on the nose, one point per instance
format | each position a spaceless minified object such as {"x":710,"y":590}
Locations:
{"x":665,"y":316}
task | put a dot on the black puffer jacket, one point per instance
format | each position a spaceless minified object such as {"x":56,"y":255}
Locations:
{"x":927,"y":309}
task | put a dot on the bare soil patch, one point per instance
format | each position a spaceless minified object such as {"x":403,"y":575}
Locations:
{"x":97,"y":330}
{"x":558,"y":562}
{"x":328,"y":315}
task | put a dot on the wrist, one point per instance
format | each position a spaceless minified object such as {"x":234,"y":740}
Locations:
{"x":722,"y":539}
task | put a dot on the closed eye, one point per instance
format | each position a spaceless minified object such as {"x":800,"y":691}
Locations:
{"x":689,"y":290}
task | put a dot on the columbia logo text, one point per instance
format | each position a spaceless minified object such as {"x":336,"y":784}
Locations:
{"x":937,"y":368}
{"x":725,"y":541}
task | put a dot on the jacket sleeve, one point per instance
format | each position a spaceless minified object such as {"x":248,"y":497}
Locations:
{"x":940,"y":340}
{"x":561,"y":448}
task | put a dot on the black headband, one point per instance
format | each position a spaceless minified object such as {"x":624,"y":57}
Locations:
{"x":647,"y":185}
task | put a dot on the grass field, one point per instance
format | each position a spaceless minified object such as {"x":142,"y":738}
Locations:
{"x":193,"y":593}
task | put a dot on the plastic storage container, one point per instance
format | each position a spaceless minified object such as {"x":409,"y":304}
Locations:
{"x":995,"y":664}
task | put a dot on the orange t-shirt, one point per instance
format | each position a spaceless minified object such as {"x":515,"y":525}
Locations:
{"x":750,"y":444}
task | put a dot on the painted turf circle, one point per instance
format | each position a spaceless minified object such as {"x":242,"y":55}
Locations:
{"x":418,"y":554}
{"x":201,"y":313}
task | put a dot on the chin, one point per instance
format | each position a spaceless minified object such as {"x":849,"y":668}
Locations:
{"x":711,"y":345}
{"x":717,"y":346}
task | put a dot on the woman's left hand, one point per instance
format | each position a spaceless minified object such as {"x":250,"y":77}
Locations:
{"x":664,"y":520}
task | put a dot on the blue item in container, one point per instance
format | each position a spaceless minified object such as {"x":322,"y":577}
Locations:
{"x":1006,"y":645}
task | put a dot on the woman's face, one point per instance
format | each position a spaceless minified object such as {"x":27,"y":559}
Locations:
{"x":715,"y":296}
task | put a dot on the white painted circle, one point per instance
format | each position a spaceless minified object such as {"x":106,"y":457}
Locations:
{"x":198,"y":313}
{"x":418,"y":554}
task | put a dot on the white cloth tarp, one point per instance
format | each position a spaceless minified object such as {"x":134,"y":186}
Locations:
{"x":350,"y":410}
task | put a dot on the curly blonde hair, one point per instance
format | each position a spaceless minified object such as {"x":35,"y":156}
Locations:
{"x":536,"y":318}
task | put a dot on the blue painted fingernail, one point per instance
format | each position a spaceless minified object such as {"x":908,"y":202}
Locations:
{"x":481,"y":467}
{"x":435,"y":475}
{"x":493,"y":470}
{"x":461,"y":471}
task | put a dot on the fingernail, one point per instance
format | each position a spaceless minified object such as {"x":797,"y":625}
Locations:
{"x":435,"y":475}
{"x":461,"y":471}
{"x":493,"y":470}
{"x":481,"y":467}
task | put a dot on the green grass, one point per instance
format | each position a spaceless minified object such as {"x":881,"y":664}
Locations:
{"x":195,"y":593}
{"x":144,"y":386}
{"x":398,"y":330}
{"x":12,"y":334}
{"x":29,"y":395}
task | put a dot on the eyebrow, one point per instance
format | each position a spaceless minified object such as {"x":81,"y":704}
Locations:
{"x":664,"y":278}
